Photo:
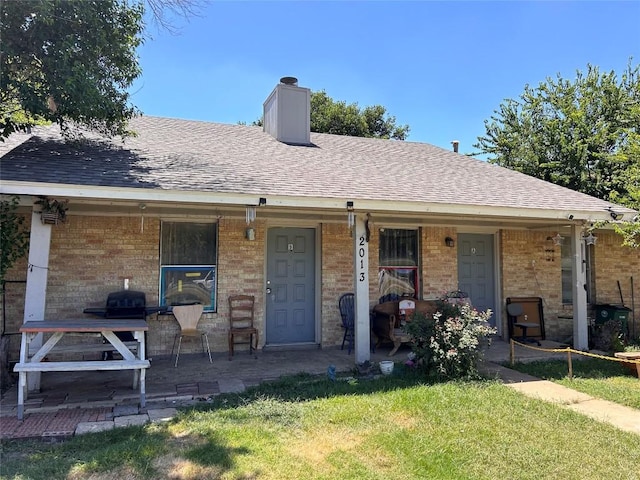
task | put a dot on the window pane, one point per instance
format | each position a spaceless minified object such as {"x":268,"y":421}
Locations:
{"x":188,"y":243}
{"x":398,"y":257}
{"x":398,"y":248}
{"x":567,"y":269}
{"x":187,"y":284}
{"x":188,"y":264}
{"x":396,"y":282}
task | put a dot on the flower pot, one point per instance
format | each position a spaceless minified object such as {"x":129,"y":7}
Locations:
{"x":386,"y":367}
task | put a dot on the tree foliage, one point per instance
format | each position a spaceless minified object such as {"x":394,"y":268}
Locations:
{"x":582,"y":134}
{"x":68,"y":61}
{"x":338,"y":118}
{"x":14,"y":238}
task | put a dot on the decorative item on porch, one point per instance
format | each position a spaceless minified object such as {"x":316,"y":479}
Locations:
{"x":52,"y":211}
{"x":386,"y":367}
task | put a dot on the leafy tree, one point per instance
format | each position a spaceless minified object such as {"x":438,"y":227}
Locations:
{"x":338,"y":118}
{"x":68,"y":61}
{"x":582,"y":134}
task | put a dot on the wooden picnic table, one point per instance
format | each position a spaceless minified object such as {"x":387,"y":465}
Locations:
{"x":133,"y":356}
{"x":633,"y":363}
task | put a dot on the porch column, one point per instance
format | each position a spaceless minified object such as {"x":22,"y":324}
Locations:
{"x":579,"y":281}
{"x":36,"y":289}
{"x":362,"y":341}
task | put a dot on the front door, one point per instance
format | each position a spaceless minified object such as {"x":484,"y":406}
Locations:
{"x":476,"y":271}
{"x":290,"y":286}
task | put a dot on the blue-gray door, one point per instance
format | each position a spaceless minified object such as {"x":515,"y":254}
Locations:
{"x":290,"y":286}
{"x":476,"y":270}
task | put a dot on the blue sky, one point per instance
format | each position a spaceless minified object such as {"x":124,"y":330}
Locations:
{"x":440,"y":67}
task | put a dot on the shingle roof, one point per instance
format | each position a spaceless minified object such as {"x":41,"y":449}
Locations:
{"x":182,"y":155}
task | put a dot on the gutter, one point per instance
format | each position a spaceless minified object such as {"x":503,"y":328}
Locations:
{"x":110,"y":195}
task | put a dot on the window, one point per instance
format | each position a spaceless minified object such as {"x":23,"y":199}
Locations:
{"x":398,"y":260}
{"x":567,"y":272}
{"x":188,"y":255}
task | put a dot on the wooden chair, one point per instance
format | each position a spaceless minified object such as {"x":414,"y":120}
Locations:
{"x":241,"y":309}
{"x":188,"y":317}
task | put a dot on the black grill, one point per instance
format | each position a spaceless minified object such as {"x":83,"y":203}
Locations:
{"x":125,"y":304}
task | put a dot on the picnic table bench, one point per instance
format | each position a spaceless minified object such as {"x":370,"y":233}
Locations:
{"x":133,"y":353}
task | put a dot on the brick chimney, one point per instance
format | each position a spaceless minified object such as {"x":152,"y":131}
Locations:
{"x":455,"y":144}
{"x":287,"y":113}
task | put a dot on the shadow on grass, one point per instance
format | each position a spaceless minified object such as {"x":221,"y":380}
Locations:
{"x":156,"y":451}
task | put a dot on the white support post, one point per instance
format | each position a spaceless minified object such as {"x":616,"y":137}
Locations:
{"x":36,"y":289}
{"x":361,"y":287}
{"x":579,"y":281}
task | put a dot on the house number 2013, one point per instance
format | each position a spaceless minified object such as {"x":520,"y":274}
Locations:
{"x":361,"y":252}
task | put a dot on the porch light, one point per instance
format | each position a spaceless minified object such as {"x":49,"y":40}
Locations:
{"x":449,"y":242}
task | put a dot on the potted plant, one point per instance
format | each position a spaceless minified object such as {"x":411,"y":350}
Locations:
{"x":52,"y":211}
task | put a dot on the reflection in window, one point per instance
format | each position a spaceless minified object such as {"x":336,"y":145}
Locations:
{"x":188,"y":254}
{"x":398,"y":260}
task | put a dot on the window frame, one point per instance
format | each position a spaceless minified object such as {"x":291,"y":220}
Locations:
{"x":400,"y":270}
{"x":199,"y":279}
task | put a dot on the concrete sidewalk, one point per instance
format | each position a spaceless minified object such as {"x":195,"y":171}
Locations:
{"x":624,"y":418}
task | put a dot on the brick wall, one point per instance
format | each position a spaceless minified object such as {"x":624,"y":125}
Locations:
{"x":439,"y":262}
{"x":616,"y":263}
{"x":91,"y":256}
{"x":530,"y":266}
{"x":337,"y":278}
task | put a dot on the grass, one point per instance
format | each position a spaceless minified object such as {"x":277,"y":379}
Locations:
{"x":599,"y":378}
{"x":307,"y":427}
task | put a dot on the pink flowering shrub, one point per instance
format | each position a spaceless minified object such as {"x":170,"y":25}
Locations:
{"x":448,"y":343}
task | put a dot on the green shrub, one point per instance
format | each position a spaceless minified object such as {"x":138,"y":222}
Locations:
{"x":448,"y":343}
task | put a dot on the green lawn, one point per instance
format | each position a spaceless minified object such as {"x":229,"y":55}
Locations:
{"x":599,"y":378}
{"x":303,"y":427}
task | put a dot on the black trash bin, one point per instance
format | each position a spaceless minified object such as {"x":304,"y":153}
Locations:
{"x":606,"y":312}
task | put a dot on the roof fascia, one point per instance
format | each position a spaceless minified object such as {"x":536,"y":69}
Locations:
{"x":315,"y":203}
